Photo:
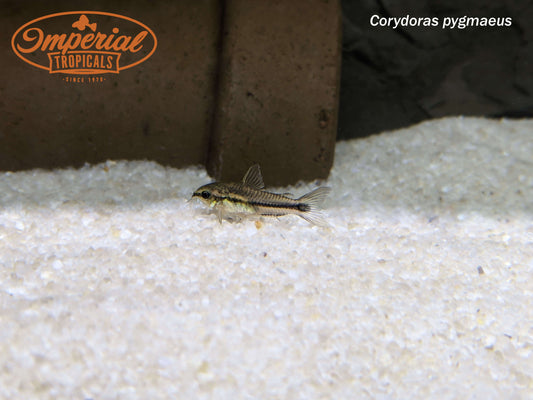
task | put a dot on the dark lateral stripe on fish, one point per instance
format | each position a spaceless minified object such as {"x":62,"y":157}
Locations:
{"x":295,"y":206}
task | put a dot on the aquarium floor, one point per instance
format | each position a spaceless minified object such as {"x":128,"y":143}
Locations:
{"x":113,"y":286}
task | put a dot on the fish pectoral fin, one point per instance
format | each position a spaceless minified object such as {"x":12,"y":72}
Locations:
{"x":253,"y":178}
{"x":219,"y":216}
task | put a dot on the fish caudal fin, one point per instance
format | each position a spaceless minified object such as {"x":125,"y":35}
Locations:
{"x":310,"y":204}
{"x":316,"y":197}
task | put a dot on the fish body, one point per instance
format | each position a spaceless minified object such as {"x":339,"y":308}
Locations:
{"x":234,"y":201}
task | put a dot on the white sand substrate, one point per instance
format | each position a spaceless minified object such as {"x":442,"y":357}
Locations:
{"x":113,"y":286}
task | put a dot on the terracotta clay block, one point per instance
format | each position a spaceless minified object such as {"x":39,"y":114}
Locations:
{"x":278,"y":90}
{"x":159,"y":110}
{"x":230,"y":83}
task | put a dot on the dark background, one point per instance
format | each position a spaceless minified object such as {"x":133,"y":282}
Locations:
{"x":393,"y":78}
{"x":163,"y":110}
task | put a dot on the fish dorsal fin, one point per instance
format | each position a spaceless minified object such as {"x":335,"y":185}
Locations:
{"x":253,"y":178}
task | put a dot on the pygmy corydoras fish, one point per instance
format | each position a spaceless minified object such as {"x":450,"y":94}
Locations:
{"x":233,"y":201}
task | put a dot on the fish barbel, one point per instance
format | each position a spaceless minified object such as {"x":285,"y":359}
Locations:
{"x":233,"y":201}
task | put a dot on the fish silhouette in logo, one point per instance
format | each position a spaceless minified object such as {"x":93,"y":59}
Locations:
{"x":83,"y":22}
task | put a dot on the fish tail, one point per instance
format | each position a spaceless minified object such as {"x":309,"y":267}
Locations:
{"x":310,"y":204}
{"x":316,"y":197}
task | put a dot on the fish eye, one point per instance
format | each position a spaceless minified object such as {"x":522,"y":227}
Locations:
{"x":206,"y":194}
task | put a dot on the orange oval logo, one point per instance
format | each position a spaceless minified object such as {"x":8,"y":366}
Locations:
{"x":84,"y":42}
